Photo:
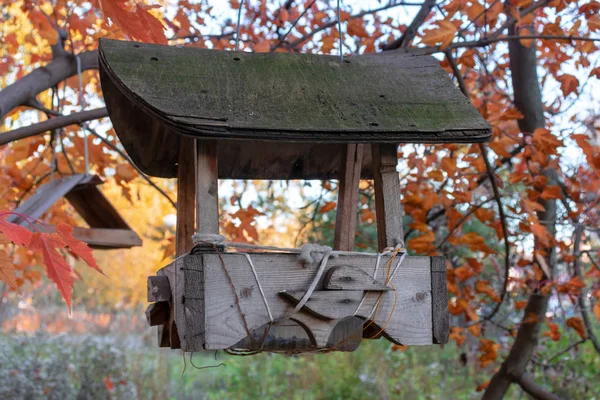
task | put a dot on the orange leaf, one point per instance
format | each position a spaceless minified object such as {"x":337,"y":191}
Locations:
{"x":56,"y":267}
{"x":77,"y":247}
{"x":456,"y":334}
{"x":527,"y":41}
{"x":330,"y":205}
{"x":483,"y":287}
{"x":154,"y":28}
{"x":7,"y":271}
{"x":553,"y":333}
{"x":520,"y":304}
{"x":568,"y":84}
{"x":551,"y":192}
{"x":597,"y":310}
{"x":264,"y":46}
{"x":13,"y":232}
{"x":489,"y":350}
{"x":483,"y":386}
{"x":577,"y":324}
{"x":545,"y":142}
{"x":42,"y":24}
{"x":443,"y":34}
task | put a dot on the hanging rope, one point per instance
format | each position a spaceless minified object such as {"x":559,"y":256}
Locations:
{"x":86,"y":150}
{"x":237,"y":31}
{"x":339,"y":13}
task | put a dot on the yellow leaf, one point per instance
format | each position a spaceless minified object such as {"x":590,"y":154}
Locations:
{"x":443,"y":34}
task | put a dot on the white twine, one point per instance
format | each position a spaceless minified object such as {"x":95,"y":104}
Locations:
{"x":262,"y":293}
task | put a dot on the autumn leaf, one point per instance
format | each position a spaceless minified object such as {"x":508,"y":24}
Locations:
{"x":525,"y":41}
{"x":551,"y":192}
{"x":443,"y":34}
{"x":77,"y":247}
{"x":568,"y":84}
{"x":597,"y":310}
{"x":483,"y":386}
{"x":489,"y":352}
{"x":330,"y":205}
{"x":42,"y":24}
{"x":7,"y":271}
{"x":520,"y":304}
{"x":545,"y":142}
{"x":484,"y":288}
{"x":456,"y":334}
{"x":58,"y":270}
{"x":553,"y":333}
{"x":13,"y":232}
{"x":577,"y":324}
{"x":264,"y":46}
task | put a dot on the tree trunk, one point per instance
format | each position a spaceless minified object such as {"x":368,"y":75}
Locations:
{"x":528,"y":100}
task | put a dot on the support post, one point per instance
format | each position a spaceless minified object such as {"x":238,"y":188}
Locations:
{"x":186,"y":195}
{"x":207,"y":187}
{"x":388,"y":206}
{"x":347,"y":334}
{"x":347,"y":206}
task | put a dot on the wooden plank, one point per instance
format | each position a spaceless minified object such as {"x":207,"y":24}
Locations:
{"x":186,"y":195}
{"x":439,"y":299}
{"x":193,"y":315}
{"x":44,"y":197}
{"x":159,"y":289}
{"x":207,"y":187}
{"x":388,"y":206}
{"x":94,"y":208}
{"x":347,"y":206}
{"x":157,"y":313}
{"x":98,"y":238}
{"x":155,"y":91}
{"x":348,"y":278}
{"x":410,"y":324}
{"x":329,"y":304}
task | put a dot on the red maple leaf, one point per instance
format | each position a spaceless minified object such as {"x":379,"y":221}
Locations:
{"x":57,"y":268}
{"x":15,"y":233}
{"x":77,"y":247}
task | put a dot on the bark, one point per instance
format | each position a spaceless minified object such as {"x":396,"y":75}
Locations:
{"x":52,"y":123}
{"x":528,"y":100}
{"x":44,"y":78}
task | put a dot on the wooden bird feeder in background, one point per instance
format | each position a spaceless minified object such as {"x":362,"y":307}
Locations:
{"x":202,"y":115}
{"x":107,"y":229}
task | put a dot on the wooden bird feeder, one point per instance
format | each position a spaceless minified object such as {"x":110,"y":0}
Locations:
{"x":202,"y":115}
{"x":107,"y":229}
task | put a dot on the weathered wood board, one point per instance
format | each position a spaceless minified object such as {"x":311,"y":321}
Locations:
{"x":414,"y":313}
{"x":156,"y":93}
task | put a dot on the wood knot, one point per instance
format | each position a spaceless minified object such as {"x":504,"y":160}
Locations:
{"x":246,"y":292}
{"x":420,"y":296}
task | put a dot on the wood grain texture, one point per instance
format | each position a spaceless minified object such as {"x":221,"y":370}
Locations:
{"x":186,"y":196}
{"x":411,"y":322}
{"x":101,"y":239}
{"x":439,"y":299}
{"x":204,"y":93}
{"x":207,"y":187}
{"x":348,"y":278}
{"x":193,"y":303}
{"x":347,"y":205}
{"x":330,"y":304}
{"x":159,"y":289}
{"x":388,"y":207}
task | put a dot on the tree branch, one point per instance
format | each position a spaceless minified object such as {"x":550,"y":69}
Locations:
{"x":44,"y":78}
{"x":411,"y":32}
{"x":535,"y":390}
{"x":126,"y":157}
{"x":53,"y":123}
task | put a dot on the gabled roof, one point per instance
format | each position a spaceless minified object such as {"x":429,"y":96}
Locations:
{"x":155,"y":93}
{"x":108,"y":230}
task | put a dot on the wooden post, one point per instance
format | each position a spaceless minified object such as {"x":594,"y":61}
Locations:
{"x":347,"y":206}
{"x":186,"y":195}
{"x":207,"y":187}
{"x":347,"y":334}
{"x":388,"y":206}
